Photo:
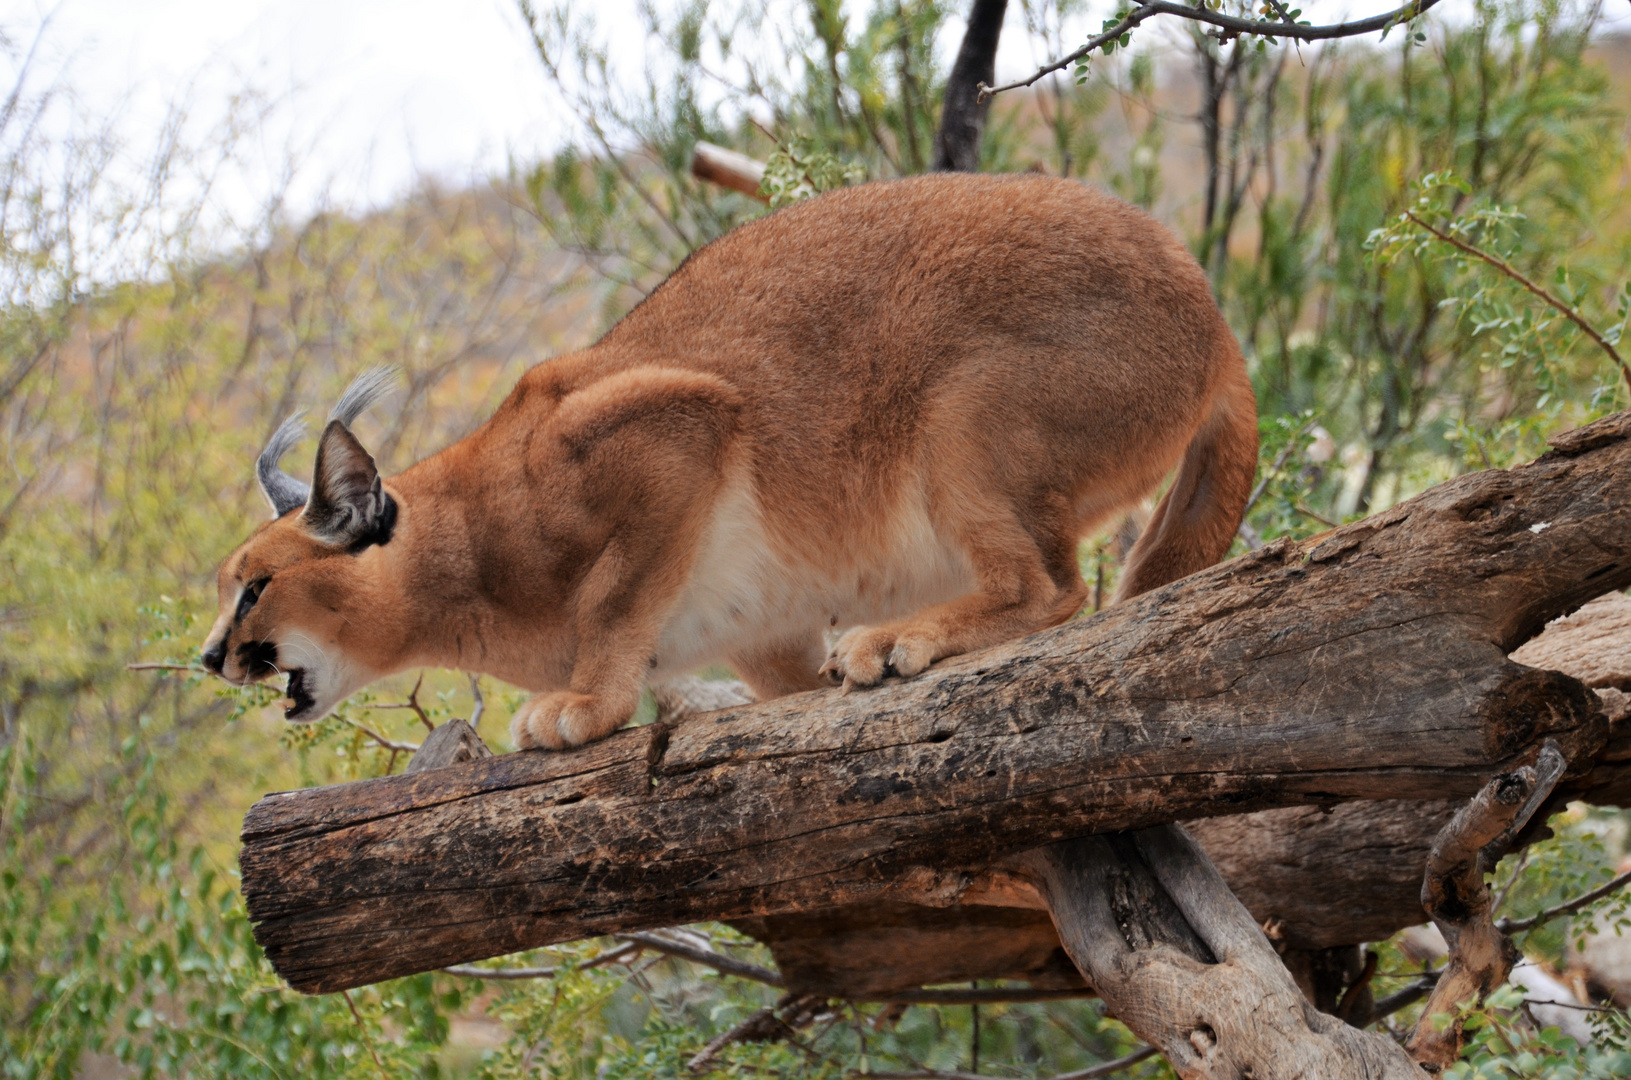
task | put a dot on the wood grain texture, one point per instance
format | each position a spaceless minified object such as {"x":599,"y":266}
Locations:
{"x":1369,"y":663}
{"x":1156,"y":931}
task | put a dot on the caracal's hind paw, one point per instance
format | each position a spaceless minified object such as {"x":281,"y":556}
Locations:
{"x":865,"y":655}
{"x":562,"y":720}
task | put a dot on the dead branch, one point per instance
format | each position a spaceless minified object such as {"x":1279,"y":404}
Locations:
{"x":1541,"y":293}
{"x":517,"y":973}
{"x":727,"y":168}
{"x":1155,"y":930}
{"x":411,"y":703}
{"x":1518,"y":926}
{"x":1458,"y":900}
{"x":393,"y":745}
{"x":1229,"y":26}
{"x":721,"y":963}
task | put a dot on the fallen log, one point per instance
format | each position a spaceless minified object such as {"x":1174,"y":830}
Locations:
{"x":1368,"y":663}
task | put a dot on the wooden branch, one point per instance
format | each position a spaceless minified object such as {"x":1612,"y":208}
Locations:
{"x":727,"y":168}
{"x":726,"y":965}
{"x":1543,"y":294}
{"x":1458,"y":900}
{"x":1365,"y":663}
{"x":517,"y":973}
{"x":1155,"y":930}
{"x":1518,"y":926}
{"x":1229,"y":26}
{"x":1321,"y":878}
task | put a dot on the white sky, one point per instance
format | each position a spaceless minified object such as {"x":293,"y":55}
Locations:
{"x":375,"y":92}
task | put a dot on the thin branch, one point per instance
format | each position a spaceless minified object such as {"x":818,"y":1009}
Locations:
{"x":164,"y":667}
{"x":1092,"y":1073}
{"x":362,"y":1033}
{"x":480,"y":703}
{"x":1518,"y":926}
{"x":1232,"y":26}
{"x":1512,"y":272}
{"x":411,"y":703}
{"x":742,"y":969}
{"x":1409,"y":995}
{"x":995,"y":996}
{"x":474,"y":972}
{"x":388,"y":744}
{"x":706,"y":957}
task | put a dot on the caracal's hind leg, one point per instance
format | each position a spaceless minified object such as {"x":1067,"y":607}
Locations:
{"x":1027,"y":581}
{"x":781,"y":667}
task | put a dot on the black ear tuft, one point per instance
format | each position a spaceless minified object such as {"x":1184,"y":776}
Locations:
{"x":347,"y":504}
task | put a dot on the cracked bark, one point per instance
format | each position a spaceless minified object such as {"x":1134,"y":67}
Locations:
{"x":1148,"y":919}
{"x":1368,"y":663}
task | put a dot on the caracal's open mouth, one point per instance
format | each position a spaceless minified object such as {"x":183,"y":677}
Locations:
{"x":300,"y":700}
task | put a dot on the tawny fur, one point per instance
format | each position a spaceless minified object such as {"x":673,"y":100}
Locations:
{"x":891,"y":411}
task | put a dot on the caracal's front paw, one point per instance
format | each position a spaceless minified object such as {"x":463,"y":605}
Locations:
{"x":563,"y":719}
{"x":864,"y":655}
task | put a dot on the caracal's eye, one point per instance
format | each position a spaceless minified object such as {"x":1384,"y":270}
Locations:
{"x":252,"y":592}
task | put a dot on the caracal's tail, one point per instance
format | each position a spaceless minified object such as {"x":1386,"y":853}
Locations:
{"x":1196,"y":520}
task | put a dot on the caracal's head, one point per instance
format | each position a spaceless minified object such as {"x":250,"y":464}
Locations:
{"x":297,"y":598}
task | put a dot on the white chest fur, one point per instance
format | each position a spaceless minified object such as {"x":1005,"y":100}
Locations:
{"x":744,"y":592}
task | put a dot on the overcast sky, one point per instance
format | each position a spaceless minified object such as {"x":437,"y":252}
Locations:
{"x":374,"y":92}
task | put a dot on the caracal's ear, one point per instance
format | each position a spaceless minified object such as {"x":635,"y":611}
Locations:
{"x":347,"y":505}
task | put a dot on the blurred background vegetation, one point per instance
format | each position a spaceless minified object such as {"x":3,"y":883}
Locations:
{"x":149,"y":344}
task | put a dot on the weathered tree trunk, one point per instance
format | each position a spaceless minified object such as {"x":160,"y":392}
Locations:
{"x":962,"y":116}
{"x":1323,"y":880}
{"x":1368,"y":663}
{"x":1151,"y":924}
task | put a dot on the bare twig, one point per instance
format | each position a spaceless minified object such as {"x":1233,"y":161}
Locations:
{"x":1246,"y":532}
{"x":1092,"y":1073}
{"x":1512,"y":272}
{"x":479,"y":705}
{"x":388,"y":744}
{"x":730,"y":966}
{"x":362,"y":1033}
{"x":1231,"y":25}
{"x":411,"y":703}
{"x":1518,"y":926}
{"x":1455,"y":895}
{"x":706,"y":957}
{"x":474,"y":972}
{"x":1408,"y":995}
{"x":778,"y":1022}
{"x":995,"y":996}
{"x":164,"y":667}
{"x":755,"y":1022}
